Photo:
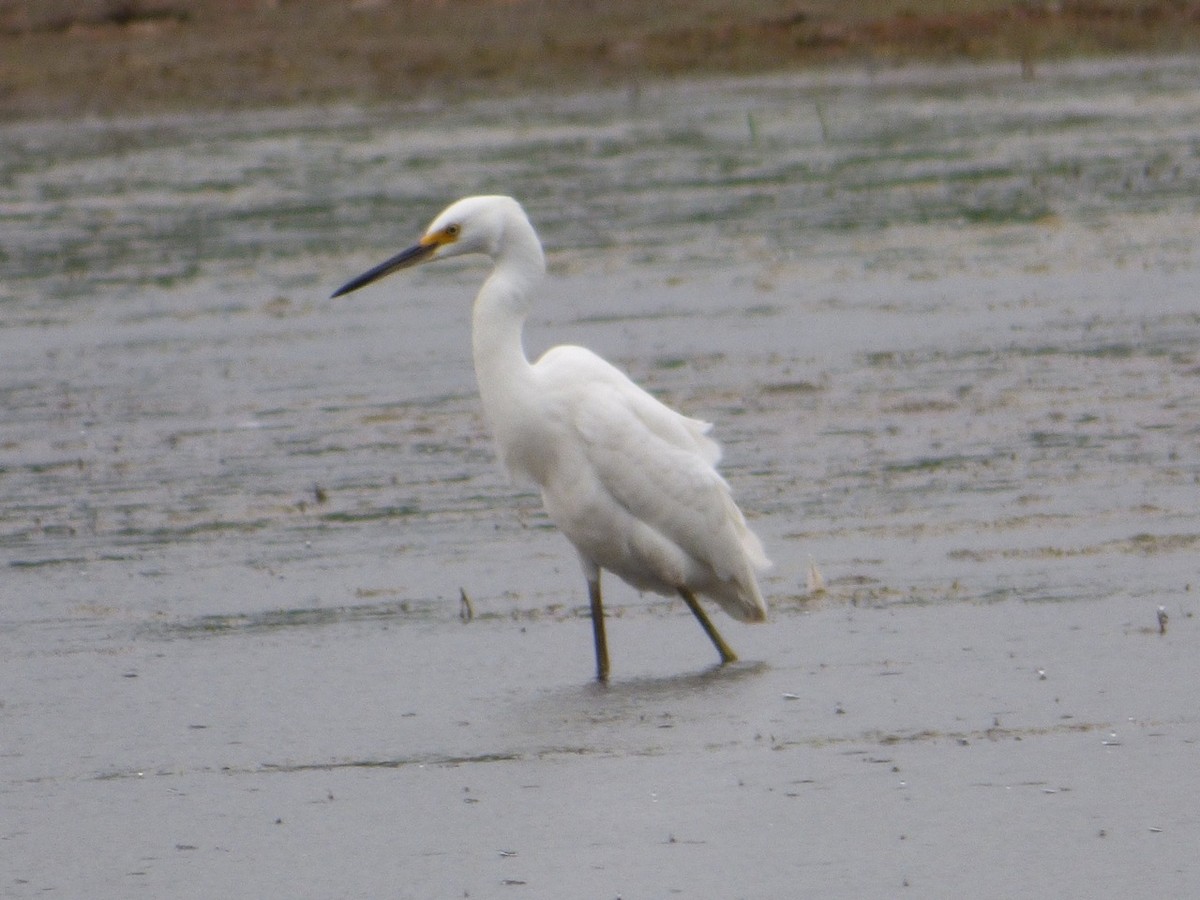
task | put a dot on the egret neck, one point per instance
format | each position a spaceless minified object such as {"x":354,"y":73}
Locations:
{"x":503,"y":371}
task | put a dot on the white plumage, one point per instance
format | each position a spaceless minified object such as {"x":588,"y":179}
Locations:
{"x":628,"y":480}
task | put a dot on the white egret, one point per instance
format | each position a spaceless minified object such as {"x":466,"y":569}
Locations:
{"x":629,"y":481}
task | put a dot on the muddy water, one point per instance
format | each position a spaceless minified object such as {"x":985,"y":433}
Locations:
{"x":946,"y":322}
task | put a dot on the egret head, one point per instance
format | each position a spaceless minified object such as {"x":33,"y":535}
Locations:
{"x":470,"y":225}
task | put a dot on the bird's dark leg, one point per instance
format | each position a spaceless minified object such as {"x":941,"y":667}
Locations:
{"x":598,"y":629}
{"x":727,"y":654}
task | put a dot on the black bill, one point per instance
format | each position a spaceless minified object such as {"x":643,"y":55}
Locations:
{"x":409,"y":257}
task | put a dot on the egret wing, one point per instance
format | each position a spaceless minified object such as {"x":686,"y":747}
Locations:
{"x":674,"y":491}
{"x":569,"y":369}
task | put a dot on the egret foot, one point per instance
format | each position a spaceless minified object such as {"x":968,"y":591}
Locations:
{"x":598,"y":630}
{"x":727,"y":654}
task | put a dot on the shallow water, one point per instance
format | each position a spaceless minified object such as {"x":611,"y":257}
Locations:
{"x":946,"y":323}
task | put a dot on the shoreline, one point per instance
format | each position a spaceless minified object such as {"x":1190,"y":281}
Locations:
{"x":103,"y":59}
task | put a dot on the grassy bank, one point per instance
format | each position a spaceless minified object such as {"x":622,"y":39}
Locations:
{"x":74,"y":57}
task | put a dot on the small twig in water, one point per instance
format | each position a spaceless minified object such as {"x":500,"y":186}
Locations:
{"x":821,"y":120}
{"x":466,"y":611}
{"x":815,"y":581}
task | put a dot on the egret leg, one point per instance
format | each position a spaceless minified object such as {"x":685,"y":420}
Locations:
{"x":598,"y":629}
{"x":727,"y":654}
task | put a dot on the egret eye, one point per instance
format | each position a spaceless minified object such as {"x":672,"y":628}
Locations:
{"x":451,"y":231}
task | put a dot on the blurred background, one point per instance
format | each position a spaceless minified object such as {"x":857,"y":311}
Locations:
{"x":71,"y":57}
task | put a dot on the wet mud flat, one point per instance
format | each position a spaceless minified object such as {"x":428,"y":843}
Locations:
{"x":946,"y":322}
